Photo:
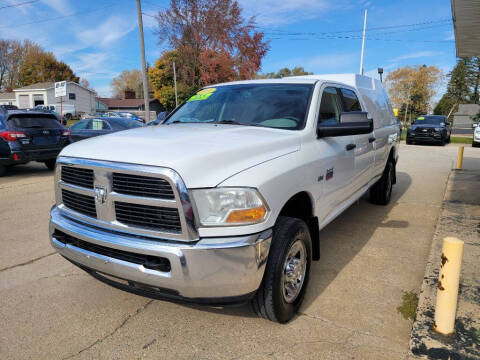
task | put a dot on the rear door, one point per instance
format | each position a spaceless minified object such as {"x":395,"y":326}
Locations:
{"x":41,"y":131}
{"x":364,"y":144}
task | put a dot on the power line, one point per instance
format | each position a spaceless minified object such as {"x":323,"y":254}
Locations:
{"x":57,"y":17}
{"x":19,"y":4}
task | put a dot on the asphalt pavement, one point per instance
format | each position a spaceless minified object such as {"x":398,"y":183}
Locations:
{"x":49,"y":309}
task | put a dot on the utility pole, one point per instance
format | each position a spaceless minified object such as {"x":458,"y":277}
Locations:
{"x":406,"y":109}
{"x":175,"y":82}
{"x":363,"y":42}
{"x":144,"y":66}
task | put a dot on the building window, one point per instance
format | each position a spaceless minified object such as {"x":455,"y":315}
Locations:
{"x":71,"y":96}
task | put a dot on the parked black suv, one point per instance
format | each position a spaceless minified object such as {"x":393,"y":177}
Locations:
{"x":429,"y":128}
{"x":30,"y":136}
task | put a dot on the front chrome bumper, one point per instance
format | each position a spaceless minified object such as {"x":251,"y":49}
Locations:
{"x":211,"y":268}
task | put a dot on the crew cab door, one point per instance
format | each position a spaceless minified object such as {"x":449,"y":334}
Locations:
{"x":364,"y":144}
{"x":335,"y":156}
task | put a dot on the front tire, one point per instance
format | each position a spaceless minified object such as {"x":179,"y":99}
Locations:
{"x":381,"y":192}
{"x":50,"y":164}
{"x":287,"y":272}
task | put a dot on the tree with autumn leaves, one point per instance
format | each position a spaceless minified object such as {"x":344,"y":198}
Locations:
{"x":415,"y":86}
{"x":210,"y":42}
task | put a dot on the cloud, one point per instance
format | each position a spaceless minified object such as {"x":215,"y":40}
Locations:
{"x":60,"y":6}
{"x":111,"y":30}
{"x":274,"y":13}
{"x":418,"y":54}
{"x":321,"y":64}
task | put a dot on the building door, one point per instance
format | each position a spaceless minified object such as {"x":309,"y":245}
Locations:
{"x":37,"y":99}
{"x":24,"y":101}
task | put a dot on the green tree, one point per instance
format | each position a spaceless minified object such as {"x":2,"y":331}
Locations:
{"x":161,"y":78}
{"x":473,"y":78}
{"x":459,"y":89}
{"x":39,"y":66}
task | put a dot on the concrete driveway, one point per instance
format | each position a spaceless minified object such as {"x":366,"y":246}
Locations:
{"x":49,"y":309}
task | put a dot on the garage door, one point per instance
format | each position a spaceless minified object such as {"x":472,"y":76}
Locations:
{"x":23,"y":101}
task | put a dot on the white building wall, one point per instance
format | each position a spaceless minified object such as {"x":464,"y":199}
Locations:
{"x":84,"y":99}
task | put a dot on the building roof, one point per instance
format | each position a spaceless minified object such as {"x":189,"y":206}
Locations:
{"x":38,"y":86}
{"x":467,"y":110}
{"x":47,"y":85}
{"x":123,"y":103}
{"x":466,"y":17}
{"x":7,"y":96}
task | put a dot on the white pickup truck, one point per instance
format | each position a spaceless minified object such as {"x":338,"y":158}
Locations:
{"x":224,"y":201}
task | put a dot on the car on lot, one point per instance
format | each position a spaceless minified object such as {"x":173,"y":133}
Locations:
{"x":429,"y":129}
{"x":30,"y":136}
{"x":50,"y":110}
{"x":224,"y":201}
{"x":88,"y":128}
{"x":476,"y":137}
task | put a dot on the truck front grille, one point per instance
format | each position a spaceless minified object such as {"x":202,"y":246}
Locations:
{"x":148,"y":261}
{"x":77,"y":176}
{"x":154,"y":217}
{"x":137,"y":185}
{"x":83,"y":204}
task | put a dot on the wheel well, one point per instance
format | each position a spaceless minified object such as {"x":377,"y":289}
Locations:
{"x":300,"y":206}
{"x":391,"y":157}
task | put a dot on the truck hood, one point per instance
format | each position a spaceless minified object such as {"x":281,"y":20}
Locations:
{"x":202,"y":154}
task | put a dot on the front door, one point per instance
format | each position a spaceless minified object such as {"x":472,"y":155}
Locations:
{"x":335,"y":158}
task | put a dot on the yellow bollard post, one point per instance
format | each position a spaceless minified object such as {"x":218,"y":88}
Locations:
{"x":460,"y":158}
{"x":448,"y":280}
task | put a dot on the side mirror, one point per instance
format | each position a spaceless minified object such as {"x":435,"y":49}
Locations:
{"x":351,"y":123}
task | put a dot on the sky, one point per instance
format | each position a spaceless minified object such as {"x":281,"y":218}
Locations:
{"x":99,"y":39}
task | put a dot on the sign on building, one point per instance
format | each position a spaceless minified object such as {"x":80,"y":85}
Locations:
{"x":60,"y":88}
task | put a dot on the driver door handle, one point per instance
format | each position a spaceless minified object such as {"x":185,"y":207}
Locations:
{"x":350,"y":147}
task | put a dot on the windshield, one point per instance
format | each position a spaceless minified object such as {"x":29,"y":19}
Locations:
{"x":430,"y":120}
{"x":282,"y":106}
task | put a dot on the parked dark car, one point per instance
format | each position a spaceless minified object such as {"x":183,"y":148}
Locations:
{"x":30,"y":136}
{"x":88,"y":128}
{"x":429,"y":129}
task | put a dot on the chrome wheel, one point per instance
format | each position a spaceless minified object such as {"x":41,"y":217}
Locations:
{"x":294,"y":269}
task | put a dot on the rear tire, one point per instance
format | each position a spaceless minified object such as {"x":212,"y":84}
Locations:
{"x":381,"y":191}
{"x":409,"y":142}
{"x":286,"y":274}
{"x":67,"y":116}
{"x":50,"y":164}
{"x":3,"y":170}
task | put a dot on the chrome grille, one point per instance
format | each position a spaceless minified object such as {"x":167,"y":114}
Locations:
{"x":83,"y":204}
{"x":142,"y":200}
{"x":139,"y":185}
{"x":155,"y":217}
{"x":77,"y":176}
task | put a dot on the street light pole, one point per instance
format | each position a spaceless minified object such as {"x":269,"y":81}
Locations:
{"x":363,"y":42}
{"x":144,"y":66}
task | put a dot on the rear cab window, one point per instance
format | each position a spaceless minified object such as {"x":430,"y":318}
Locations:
{"x":350,"y":100}
{"x":33,"y":121}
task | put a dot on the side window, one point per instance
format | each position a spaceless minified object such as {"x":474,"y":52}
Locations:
{"x":350,"y":100}
{"x":81,"y":125}
{"x":98,"y":124}
{"x":330,"y":107}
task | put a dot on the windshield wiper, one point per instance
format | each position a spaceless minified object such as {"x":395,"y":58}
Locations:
{"x":233,"y":122}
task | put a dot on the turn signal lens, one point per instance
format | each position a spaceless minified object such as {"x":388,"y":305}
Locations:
{"x":247,"y":215}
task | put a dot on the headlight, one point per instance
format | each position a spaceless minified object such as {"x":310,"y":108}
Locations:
{"x":438,"y":129}
{"x":229,"y":206}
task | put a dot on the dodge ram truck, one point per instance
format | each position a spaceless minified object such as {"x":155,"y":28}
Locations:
{"x":223,"y":202}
